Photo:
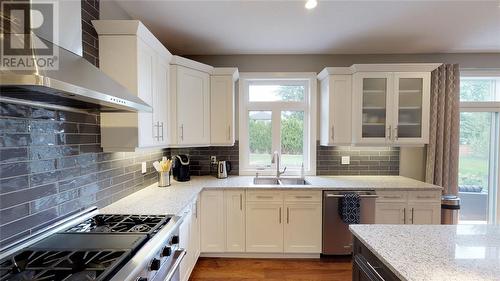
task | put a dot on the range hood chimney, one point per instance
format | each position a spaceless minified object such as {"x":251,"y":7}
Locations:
{"x":75,"y":83}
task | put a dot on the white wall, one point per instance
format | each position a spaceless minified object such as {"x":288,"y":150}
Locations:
{"x":110,"y":10}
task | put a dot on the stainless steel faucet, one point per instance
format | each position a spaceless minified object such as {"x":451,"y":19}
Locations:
{"x":276,"y":159}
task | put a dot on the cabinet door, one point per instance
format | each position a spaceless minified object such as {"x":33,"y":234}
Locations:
{"x":184,"y":243}
{"x":235,"y":220}
{"x":145,"y":69}
{"x":391,"y":213}
{"x":195,"y":230}
{"x":221,"y":110}
{"x":372,"y":108}
{"x":336,"y":110}
{"x":424,"y":213}
{"x":160,"y":82}
{"x":193,"y":107}
{"x":411,"y":102}
{"x":212,"y":231}
{"x":264,"y":227}
{"x":302,"y":232}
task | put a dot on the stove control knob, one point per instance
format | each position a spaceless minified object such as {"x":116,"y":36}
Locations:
{"x":141,"y":279}
{"x":166,"y":252}
{"x":175,"y":239}
{"x":155,"y":264}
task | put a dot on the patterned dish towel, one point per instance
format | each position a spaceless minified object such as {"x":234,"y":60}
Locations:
{"x":349,"y":208}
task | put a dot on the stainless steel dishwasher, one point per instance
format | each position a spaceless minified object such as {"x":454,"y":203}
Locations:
{"x":337,"y":239}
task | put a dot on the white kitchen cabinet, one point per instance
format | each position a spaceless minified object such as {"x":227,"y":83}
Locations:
{"x":408,"y":207}
{"x":235,"y":220}
{"x":212,"y":225}
{"x":264,"y":227}
{"x":130,"y":54}
{"x":391,"y":108}
{"x":302,"y":228}
{"x":335,"y":110}
{"x":222,"y":106}
{"x":190,"y":103}
{"x":184,"y":243}
{"x":390,"y":213}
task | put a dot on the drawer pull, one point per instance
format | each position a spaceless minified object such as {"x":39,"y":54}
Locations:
{"x":392,"y":196}
{"x":303,"y":197}
{"x":264,"y":197}
{"x":424,"y":197}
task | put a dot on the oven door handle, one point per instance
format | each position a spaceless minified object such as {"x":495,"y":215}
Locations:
{"x":180,"y":254}
{"x":342,"y":196}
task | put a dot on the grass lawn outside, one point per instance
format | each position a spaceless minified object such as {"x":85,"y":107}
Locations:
{"x":288,"y":160}
{"x":473,"y":170}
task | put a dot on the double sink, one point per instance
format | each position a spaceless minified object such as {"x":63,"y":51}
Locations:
{"x":279,"y":181}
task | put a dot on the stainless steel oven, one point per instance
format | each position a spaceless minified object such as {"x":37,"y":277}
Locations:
{"x":337,"y":239}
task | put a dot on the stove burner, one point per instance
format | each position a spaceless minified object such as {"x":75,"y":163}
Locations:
{"x":61,"y":265}
{"x":121,"y":224}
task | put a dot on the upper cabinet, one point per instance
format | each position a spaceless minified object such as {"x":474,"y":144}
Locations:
{"x":222,"y":106}
{"x":190,"y":102}
{"x":389,"y":104}
{"x":130,"y":54}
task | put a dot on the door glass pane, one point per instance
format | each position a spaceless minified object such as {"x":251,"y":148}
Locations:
{"x":260,"y":138}
{"x":292,"y":138}
{"x":477,"y":89}
{"x":267,"y":93}
{"x":374,"y":107}
{"x":474,"y":165}
{"x":410,"y":108}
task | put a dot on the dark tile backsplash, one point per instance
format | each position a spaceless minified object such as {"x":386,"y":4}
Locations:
{"x":200,"y":158}
{"x":363,"y":160}
{"x":47,"y":171}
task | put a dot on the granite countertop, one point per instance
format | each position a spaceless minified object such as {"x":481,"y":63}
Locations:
{"x":435,"y":252}
{"x":173,"y":199}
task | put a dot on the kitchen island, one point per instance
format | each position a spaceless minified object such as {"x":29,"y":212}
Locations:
{"x":426,"y":252}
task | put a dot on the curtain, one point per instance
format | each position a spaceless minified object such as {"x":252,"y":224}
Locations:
{"x":444,"y":129}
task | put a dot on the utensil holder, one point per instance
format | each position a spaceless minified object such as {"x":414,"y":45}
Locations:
{"x":163,"y":179}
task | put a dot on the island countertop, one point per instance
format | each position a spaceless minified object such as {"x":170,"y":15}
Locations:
{"x":435,"y":252}
{"x":154,"y":200}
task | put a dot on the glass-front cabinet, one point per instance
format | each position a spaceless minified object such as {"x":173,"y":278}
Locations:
{"x":391,"y":108}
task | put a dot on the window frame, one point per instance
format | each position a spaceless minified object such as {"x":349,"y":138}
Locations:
{"x":308,"y":105}
{"x":494,"y":161}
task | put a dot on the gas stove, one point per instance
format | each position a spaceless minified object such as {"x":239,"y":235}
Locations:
{"x":101,"y":247}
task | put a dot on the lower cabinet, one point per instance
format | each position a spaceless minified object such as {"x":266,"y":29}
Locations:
{"x":408,"y":207}
{"x":235,"y":220}
{"x":189,"y":239}
{"x":264,"y":227}
{"x":302,"y":232}
{"x":213,"y":238}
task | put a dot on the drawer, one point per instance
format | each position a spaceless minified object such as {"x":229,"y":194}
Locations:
{"x":424,"y":196}
{"x":303,"y":196}
{"x":392,"y":196}
{"x":264,"y":196}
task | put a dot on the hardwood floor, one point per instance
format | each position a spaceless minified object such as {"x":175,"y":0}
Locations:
{"x":226,"y":269}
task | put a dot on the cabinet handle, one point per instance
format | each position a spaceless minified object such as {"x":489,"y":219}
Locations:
{"x":333,"y":133}
{"x":303,"y":197}
{"x":287,"y":215}
{"x":424,"y":197}
{"x":411,"y":215}
{"x":229,"y":132}
{"x":279,"y":215}
{"x":374,"y":270}
{"x":264,"y":197}
{"x":389,"y":131}
{"x":162,"y":139}
{"x":182,"y":132}
{"x":396,"y":133}
{"x":392,"y":197}
{"x":241,"y":202}
{"x":404,"y":216}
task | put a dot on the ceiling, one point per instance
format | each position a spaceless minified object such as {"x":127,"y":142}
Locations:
{"x":333,"y":27}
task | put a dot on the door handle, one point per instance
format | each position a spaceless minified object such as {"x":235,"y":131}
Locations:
{"x":279,"y":215}
{"x":241,"y":202}
{"x":389,"y":130}
{"x":180,"y":254}
{"x":229,"y":132}
{"x":333,"y":133}
{"x":404,"y":216}
{"x":182,"y":132}
{"x":287,"y":215}
{"x":161,"y":132}
{"x":411,"y":215}
{"x":396,"y":133}
{"x":374,"y":270}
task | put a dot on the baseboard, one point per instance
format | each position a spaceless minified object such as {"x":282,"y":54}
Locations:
{"x":261,"y":255}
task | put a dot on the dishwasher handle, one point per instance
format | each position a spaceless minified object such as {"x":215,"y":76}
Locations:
{"x":342,"y":196}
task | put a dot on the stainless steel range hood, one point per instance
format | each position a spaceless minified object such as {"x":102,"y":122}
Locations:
{"x":75,"y":83}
